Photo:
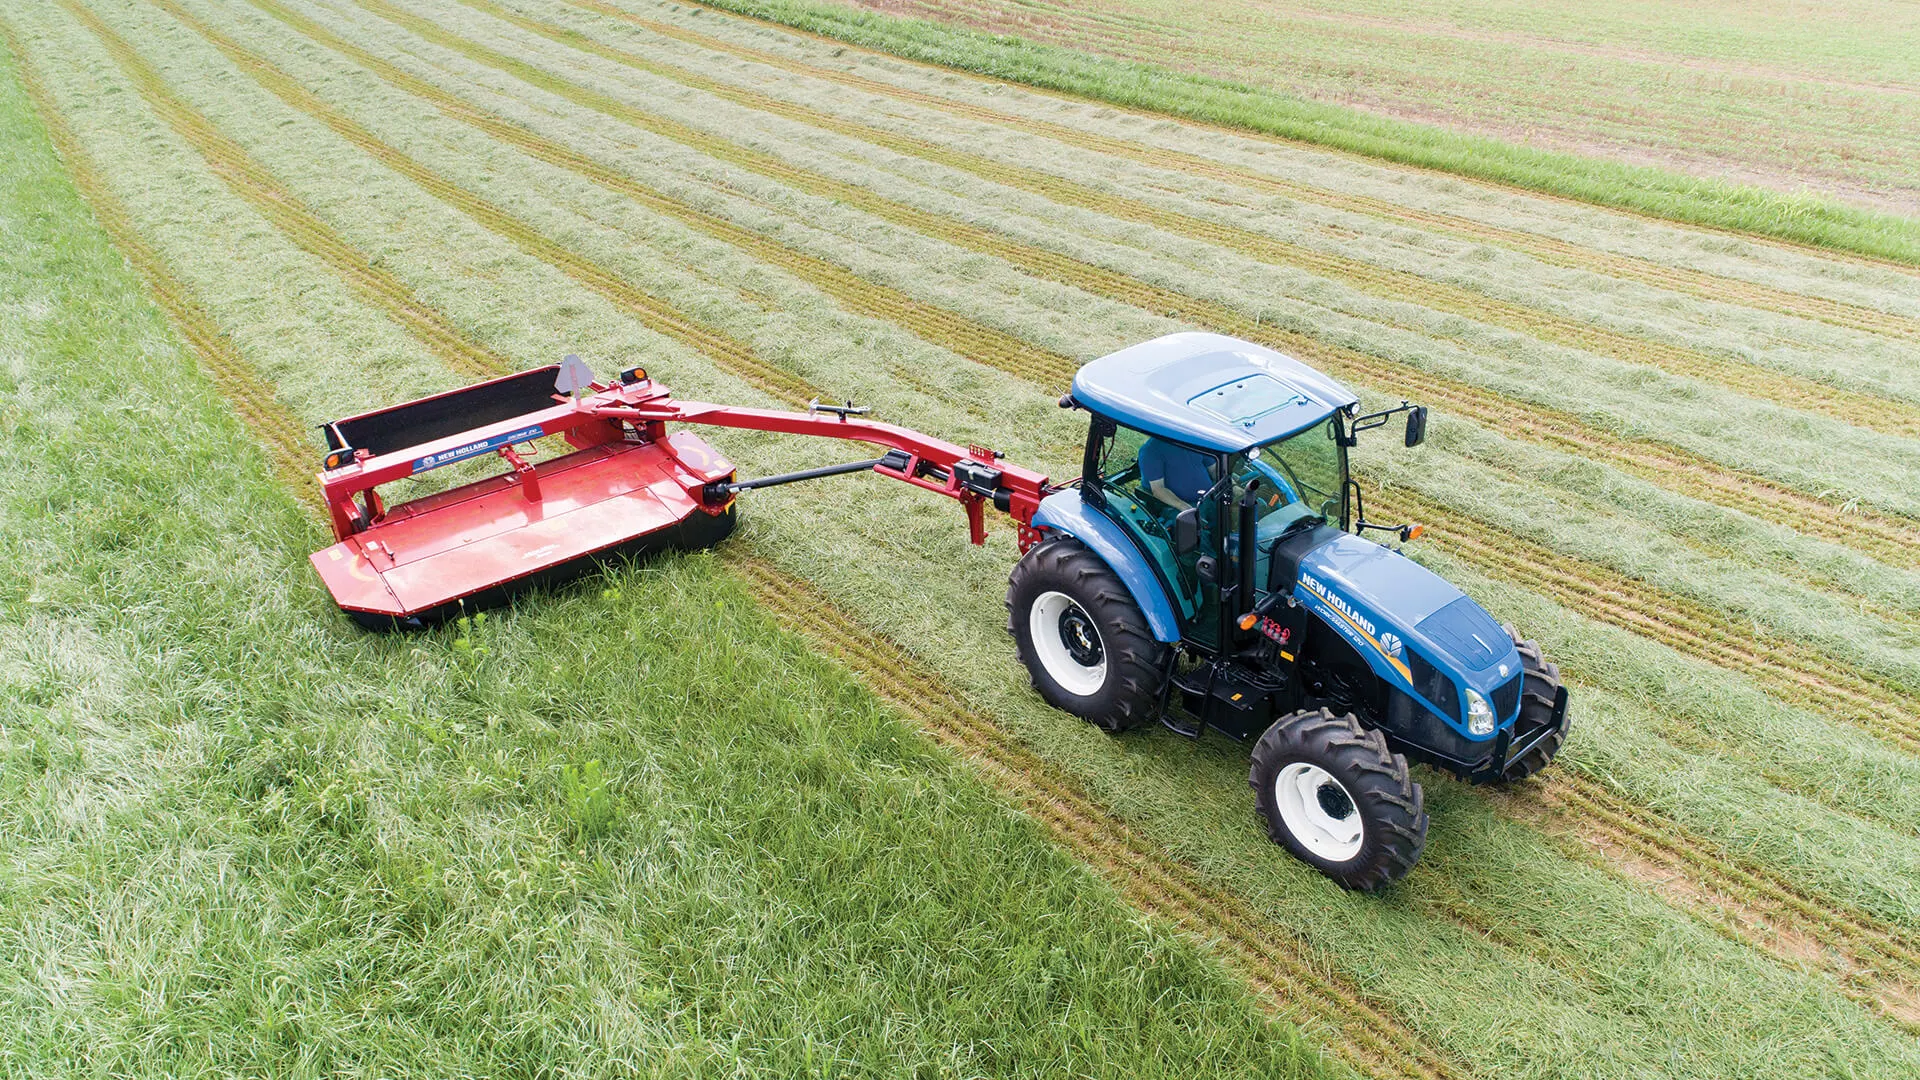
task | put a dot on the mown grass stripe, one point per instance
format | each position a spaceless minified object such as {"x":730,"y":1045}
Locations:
{"x":938,"y":326}
{"x":289,"y":447}
{"x":1881,"y":536}
{"x":1303,"y":987}
{"x":842,"y":35}
{"x":657,"y":314}
{"x":258,"y":187}
{"x":1548,"y":249}
{"x":1866,"y":410}
{"x":1874,"y":963}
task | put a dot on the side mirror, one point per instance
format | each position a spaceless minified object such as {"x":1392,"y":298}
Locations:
{"x":1417,"y":425}
{"x":1186,"y":530}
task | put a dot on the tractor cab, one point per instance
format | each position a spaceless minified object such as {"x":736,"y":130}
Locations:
{"x":1183,"y":427}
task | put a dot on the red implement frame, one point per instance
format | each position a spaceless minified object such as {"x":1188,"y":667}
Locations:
{"x":630,"y":484}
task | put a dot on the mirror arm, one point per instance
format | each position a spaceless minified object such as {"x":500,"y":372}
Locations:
{"x":1374,"y":420}
{"x":1361,"y":524}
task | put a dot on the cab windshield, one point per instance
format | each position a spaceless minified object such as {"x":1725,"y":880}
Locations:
{"x":1301,"y":476}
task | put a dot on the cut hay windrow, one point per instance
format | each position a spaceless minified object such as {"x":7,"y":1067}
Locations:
{"x":224,"y":154}
{"x":250,"y":181}
{"x":1889,"y":538}
{"x":1873,"y":962}
{"x":970,"y":339}
{"x":1874,"y":412}
{"x":1285,"y":982}
{"x":1045,"y":48}
{"x":1804,"y":677}
{"x":279,"y":432}
{"x":1547,"y":249}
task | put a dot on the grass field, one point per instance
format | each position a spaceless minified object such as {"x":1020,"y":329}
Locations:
{"x":1773,"y":93}
{"x":1746,"y":117}
{"x":1681,"y":459}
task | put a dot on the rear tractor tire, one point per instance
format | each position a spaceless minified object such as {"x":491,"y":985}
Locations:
{"x":1539,"y":687}
{"x":1335,"y":796}
{"x":1084,"y":640}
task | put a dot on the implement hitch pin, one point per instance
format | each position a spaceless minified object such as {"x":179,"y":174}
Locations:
{"x":842,"y":411}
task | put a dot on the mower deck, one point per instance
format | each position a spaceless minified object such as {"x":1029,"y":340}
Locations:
{"x":626,"y":485}
{"x":423,"y":558}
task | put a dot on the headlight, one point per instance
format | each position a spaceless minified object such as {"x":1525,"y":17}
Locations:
{"x":1479,"y":715}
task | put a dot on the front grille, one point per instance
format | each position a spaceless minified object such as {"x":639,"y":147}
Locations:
{"x":1426,"y":737}
{"x":1432,"y":685}
{"x":1506,"y":698}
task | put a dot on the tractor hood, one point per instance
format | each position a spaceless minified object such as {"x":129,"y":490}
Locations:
{"x":1385,"y":603}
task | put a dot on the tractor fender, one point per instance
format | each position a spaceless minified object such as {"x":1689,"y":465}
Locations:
{"x":1063,"y":512}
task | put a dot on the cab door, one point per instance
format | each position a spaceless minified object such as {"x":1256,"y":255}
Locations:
{"x":1141,"y":479}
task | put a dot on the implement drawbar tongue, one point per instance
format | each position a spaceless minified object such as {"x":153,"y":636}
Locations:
{"x":625,"y":485}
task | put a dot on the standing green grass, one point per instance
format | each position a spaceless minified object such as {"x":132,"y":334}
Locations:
{"x":641,"y":830}
{"x":1485,"y":91}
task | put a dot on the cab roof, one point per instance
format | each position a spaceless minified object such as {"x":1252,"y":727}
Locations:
{"x":1208,"y":391}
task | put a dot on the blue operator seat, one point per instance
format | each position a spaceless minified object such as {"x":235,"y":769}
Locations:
{"x":1185,"y":473}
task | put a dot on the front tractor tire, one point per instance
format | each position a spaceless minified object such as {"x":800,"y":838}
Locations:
{"x":1539,"y":688}
{"x":1335,"y":796}
{"x":1082,"y":637}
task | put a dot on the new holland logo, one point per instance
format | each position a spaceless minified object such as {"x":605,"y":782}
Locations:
{"x":1326,"y":595}
{"x":461,"y":453}
{"x":1391,"y":643}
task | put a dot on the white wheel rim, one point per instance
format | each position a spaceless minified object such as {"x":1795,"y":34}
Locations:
{"x":1052,"y":621}
{"x":1311,"y":802}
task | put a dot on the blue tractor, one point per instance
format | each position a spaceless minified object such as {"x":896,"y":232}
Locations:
{"x":1210,"y":569}
{"x":1209,"y":559}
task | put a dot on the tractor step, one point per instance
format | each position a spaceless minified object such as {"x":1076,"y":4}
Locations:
{"x":1229,"y":697}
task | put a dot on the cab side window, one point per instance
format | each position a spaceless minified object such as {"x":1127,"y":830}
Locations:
{"x":1120,"y":457}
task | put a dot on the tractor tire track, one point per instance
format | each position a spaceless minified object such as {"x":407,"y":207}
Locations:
{"x":1873,"y":962}
{"x":1216,"y":900}
{"x":251,"y":181}
{"x":1699,"y":283}
{"x":970,"y":339}
{"x":1884,"y":537}
{"x":1870,"y":411}
{"x":1297,"y":984}
{"x":290,"y":450}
